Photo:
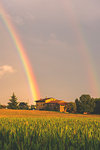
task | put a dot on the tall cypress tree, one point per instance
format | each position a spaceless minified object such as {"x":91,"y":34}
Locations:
{"x":13,"y":104}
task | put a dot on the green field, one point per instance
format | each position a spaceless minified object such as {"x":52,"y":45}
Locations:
{"x":50,"y":133}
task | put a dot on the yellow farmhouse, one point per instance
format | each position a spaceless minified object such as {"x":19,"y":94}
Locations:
{"x":51,"y":104}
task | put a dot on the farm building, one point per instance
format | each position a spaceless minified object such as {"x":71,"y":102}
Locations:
{"x":51,"y":104}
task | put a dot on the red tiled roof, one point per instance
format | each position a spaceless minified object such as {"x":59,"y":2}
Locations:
{"x":43,"y":100}
{"x":57,"y":102}
{"x":63,"y":103}
{"x":60,"y":102}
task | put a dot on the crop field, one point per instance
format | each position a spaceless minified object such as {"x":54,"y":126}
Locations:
{"x":40,"y":130}
{"x":6,"y":113}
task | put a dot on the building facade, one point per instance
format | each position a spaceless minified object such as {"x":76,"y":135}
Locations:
{"x":51,"y":104}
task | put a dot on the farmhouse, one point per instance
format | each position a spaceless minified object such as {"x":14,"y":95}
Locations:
{"x":51,"y":104}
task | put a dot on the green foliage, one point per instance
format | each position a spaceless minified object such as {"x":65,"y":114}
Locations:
{"x":78,"y":106}
{"x":0,"y":106}
{"x":85,"y":104}
{"x":13,"y":104}
{"x":23,"y":105}
{"x":71,"y":107}
{"x":97,"y":106}
{"x":49,"y":134}
{"x":33,"y":107}
{"x":3,"y":106}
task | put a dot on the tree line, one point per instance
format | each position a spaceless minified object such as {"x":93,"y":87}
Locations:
{"x":14,"y":104}
{"x":85,"y":104}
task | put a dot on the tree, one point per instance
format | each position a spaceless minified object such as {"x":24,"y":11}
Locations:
{"x":85,"y":104}
{"x":78,"y":106}
{"x":23,"y":105}
{"x":3,"y":106}
{"x":13,"y":104}
{"x":0,"y":106}
{"x":97,"y":106}
{"x":71,"y":107}
{"x":33,"y":107}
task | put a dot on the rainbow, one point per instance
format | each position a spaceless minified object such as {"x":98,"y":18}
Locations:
{"x":82,"y":47}
{"x":22,"y":53}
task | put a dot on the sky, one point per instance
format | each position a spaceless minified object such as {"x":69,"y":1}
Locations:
{"x":62,"y":42}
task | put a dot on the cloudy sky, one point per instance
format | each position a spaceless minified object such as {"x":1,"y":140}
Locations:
{"x":62,"y":41}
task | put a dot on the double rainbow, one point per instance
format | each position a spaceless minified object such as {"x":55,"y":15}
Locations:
{"x":22,"y":53}
{"x":82,"y":47}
